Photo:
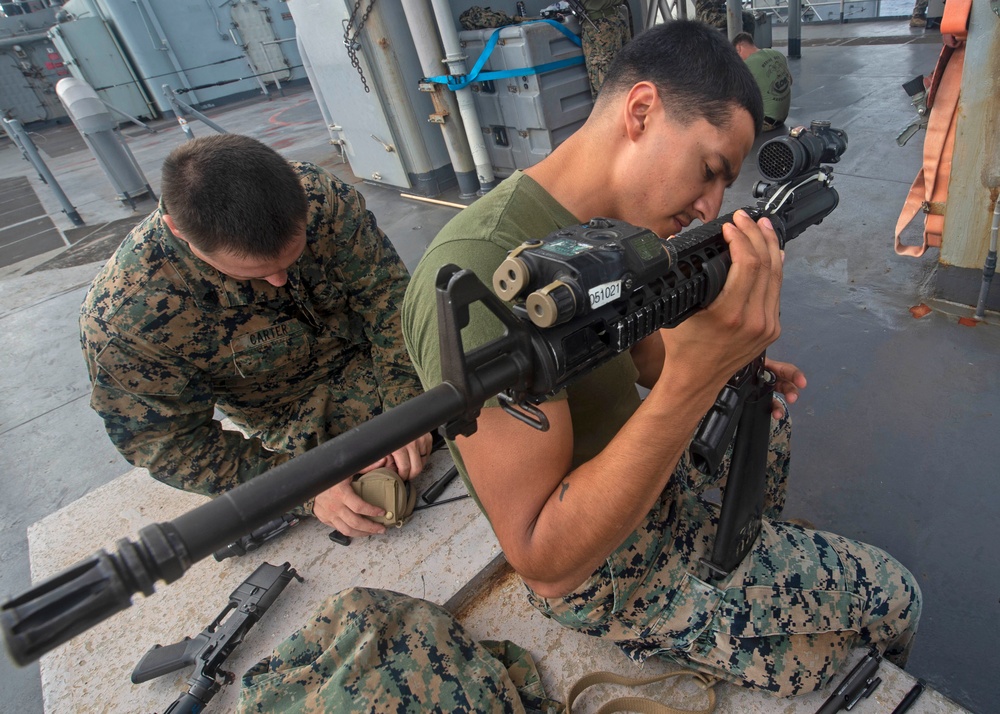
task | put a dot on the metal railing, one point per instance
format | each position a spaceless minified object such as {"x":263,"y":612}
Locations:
{"x":821,"y":11}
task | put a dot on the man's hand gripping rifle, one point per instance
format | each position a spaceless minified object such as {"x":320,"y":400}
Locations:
{"x":582,"y":307}
{"x":593,"y":291}
{"x":597,"y":289}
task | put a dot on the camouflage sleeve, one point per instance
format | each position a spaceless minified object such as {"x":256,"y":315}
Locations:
{"x":375,"y":280}
{"x":159,"y":412}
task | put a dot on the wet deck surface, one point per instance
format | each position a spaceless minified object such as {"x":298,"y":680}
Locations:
{"x":893,"y":442}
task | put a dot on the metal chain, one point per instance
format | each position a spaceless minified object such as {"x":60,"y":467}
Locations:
{"x":351,"y":41}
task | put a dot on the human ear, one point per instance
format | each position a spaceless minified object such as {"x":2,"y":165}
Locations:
{"x":638,"y":104}
{"x":172,"y":226}
{"x":169,"y":221}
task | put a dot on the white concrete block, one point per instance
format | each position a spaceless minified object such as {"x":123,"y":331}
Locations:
{"x":433,"y":556}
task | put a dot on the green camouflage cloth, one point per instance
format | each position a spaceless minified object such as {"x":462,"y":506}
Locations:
{"x":485,"y":18}
{"x":784,"y":621}
{"x":603,"y":31}
{"x":713,"y":12}
{"x":168,"y":339}
{"x":367,"y":650}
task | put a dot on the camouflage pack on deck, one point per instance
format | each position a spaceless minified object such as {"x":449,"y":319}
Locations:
{"x":485,"y":18}
{"x":369,"y":650}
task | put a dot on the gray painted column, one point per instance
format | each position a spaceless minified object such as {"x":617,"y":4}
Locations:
{"x":427,"y":42}
{"x":455,"y":58}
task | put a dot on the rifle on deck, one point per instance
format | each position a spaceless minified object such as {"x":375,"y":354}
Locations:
{"x":655,"y":284}
{"x":210,"y":649}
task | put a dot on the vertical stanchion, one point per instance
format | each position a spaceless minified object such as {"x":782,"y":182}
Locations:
{"x":734,"y":18}
{"x":795,"y":29}
{"x":30,"y":153}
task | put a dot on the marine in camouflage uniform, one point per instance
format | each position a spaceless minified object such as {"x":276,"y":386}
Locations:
{"x":603,"y":32}
{"x":168,"y":339}
{"x":786,"y":618}
{"x":368,"y":650}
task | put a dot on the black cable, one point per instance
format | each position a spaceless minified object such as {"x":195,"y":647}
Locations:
{"x":441,"y":503}
{"x":167,"y":74}
{"x":184,"y":90}
{"x":230,"y":81}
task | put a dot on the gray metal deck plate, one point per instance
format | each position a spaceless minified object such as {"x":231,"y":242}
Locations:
{"x":25,"y":229}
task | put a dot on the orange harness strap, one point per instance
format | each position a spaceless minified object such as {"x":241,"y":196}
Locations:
{"x":956,"y":18}
{"x":929,"y":192}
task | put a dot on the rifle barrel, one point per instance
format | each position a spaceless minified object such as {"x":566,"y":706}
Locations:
{"x":89,"y":592}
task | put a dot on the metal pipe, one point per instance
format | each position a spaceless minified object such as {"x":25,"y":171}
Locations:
{"x":990,"y":266}
{"x":650,"y":18}
{"x":181,"y":107}
{"x":20,"y":137}
{"x":455,"y":59}
{"x":161,"y":36}
{"x":734,"y":18}
{"x":149,"y":129}
{"x":270,"y":67}
{"x":6,"y":42}
{"x":663,"y":6}
{"x":324,"y":110}
{"x":134,"y":162}
{"x":218,"y":25}
{"x":427,"y":42}
{"x":270,"y":70}
{"x":238,"y":41}
{"x":113,"y":178}
{"x":795,"y":29}
{"x":436,"y":202}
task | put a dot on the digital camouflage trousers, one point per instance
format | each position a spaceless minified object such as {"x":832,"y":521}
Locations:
{"x":783,"y":621}
{"x":602,"y":38}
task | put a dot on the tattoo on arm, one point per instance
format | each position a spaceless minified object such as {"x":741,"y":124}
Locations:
{"x":562,"y":491}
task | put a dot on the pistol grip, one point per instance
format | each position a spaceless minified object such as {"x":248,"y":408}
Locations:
{"x":164,"y":660}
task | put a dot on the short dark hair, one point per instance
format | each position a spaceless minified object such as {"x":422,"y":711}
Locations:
{"x":694,"y":68}
{"x":743,"y":37}
{"x":232,"y":193}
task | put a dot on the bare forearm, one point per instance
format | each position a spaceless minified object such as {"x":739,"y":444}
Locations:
{"x":648,"y":359}
{"x":597,"y":505}
{"x":557,"y":525}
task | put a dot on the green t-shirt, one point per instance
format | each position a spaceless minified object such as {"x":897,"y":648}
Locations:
{"x":479,"y":239}
{"x":770,"y":68}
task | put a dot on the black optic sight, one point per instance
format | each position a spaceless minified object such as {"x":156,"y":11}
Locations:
{"x":607,"y":266}
{"x":802,"y":150}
